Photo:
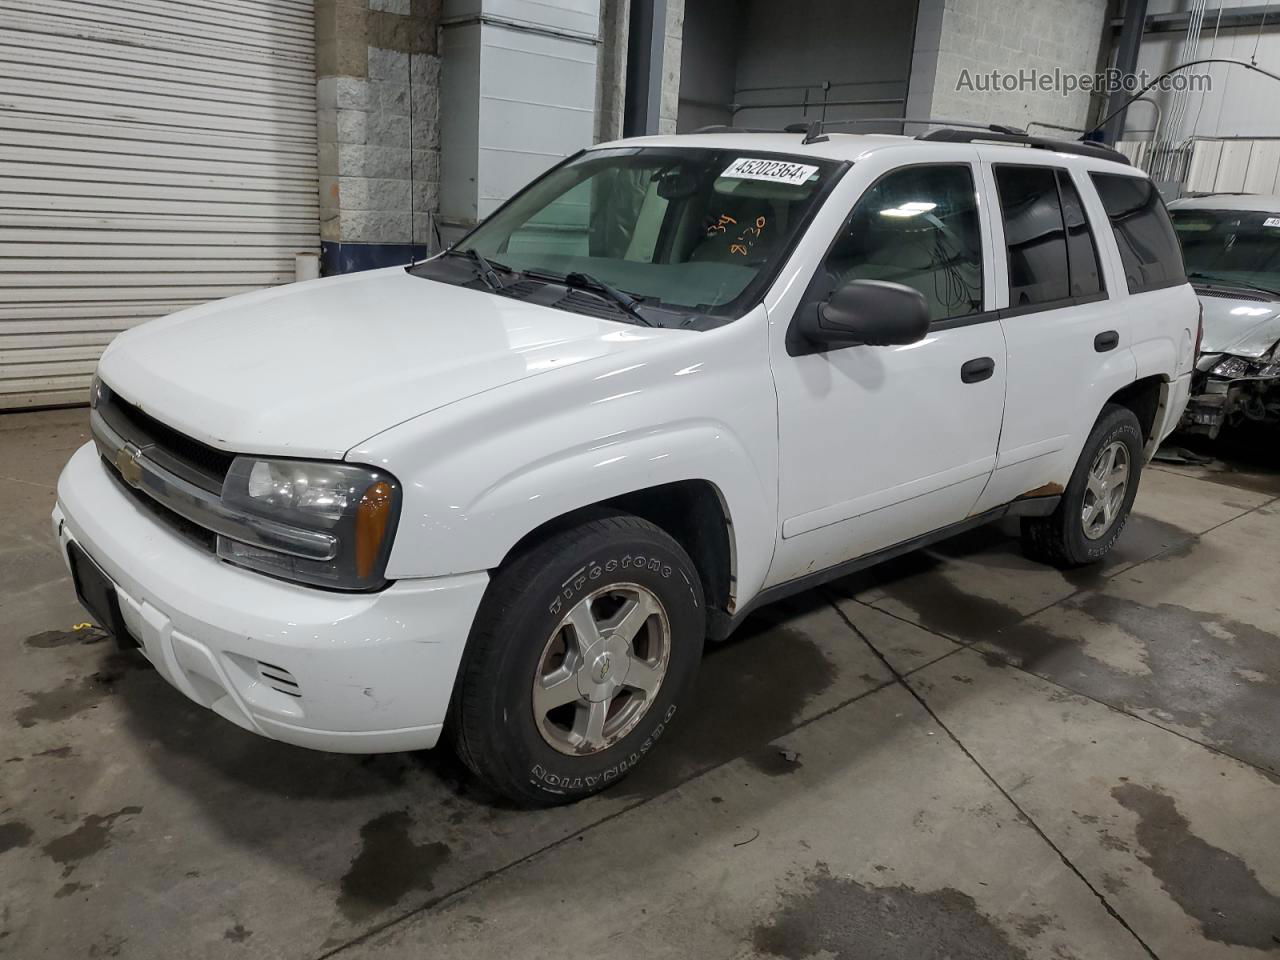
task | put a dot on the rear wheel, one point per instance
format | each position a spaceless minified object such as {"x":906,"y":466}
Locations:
{"x":1097,"y":501}
{"x":579,"y":659}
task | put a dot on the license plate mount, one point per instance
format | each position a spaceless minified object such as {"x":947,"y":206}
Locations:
{"x":97,"y":594}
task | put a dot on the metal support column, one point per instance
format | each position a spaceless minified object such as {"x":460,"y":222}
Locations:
{"x":1135,"y":19}
{"x":646,"y":40}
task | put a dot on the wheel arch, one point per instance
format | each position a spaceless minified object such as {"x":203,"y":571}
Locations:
{"x":1147,"y":397}
{"x":694,"y":513}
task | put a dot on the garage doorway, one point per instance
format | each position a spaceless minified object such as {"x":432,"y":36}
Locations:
{"x":153,"y":156}
{"x":754,"y":64}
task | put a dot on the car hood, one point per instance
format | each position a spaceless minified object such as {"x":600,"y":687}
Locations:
{"x":312,"y":369}
{"x":1245,"y":328}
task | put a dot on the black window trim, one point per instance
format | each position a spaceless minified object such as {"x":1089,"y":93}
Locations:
{"x":1162,"y":285}
{"x":1105,"y":292}
{"x":1063,"y":302}
{"x":1060,"y":304}
{"x":798,"y":346}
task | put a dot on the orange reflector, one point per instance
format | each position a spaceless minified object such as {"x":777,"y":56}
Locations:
{"x":372,"y":517}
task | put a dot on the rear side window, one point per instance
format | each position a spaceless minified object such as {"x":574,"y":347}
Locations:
{"x":1148,"y":245}
{"x":1034,"y":234}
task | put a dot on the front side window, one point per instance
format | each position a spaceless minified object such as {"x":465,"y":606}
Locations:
{"x":1148,"y":245}
{"x":1231,"y":248}
{"x":677,"y":229}
{"x":916,"y":226}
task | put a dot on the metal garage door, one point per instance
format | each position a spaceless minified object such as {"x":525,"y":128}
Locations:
{"x":154,"y":154}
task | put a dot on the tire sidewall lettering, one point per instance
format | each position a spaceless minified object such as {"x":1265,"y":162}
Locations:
{"x":594,"y":570}
{"x":561,"y":782}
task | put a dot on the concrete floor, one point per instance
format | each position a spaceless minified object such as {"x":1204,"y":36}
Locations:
{"x":960,"y":755}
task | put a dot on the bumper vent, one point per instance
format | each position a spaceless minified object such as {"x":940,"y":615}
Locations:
{"x":279,"y":679}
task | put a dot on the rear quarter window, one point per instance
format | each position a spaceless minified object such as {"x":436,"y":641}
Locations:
{"x":1148,"y":245}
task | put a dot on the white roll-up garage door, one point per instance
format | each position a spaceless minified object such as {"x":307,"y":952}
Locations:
{"x":154,"y":154}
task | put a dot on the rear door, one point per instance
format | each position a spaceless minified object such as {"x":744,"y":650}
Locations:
{"x":1065,"y":329}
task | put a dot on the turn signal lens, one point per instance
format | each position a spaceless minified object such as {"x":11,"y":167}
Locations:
{"x":372,"y":518}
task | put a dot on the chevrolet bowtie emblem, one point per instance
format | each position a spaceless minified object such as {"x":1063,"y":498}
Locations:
{"x":129,"y":465}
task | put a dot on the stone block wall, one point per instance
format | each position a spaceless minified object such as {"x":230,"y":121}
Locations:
{"x":1005,"y":35}
{"x":671,"y":49}
{"x":377,"y":99}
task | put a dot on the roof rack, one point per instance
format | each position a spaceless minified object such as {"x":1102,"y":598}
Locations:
{"x":953,"y":131}
{"x":814,"y":130}
{"x":1096,"y":150}
{"x":726,"y":128}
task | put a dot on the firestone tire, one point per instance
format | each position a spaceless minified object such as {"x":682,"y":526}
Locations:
{"x":562,"y":610}
{"x":1064,"y":538}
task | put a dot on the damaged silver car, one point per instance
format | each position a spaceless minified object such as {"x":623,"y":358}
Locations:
{"x":1231,"y":245}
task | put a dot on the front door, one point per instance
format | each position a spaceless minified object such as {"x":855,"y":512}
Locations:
{"x":879,"y":445}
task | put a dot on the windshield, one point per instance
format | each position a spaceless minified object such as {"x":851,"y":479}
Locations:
{"x":1231,"y":247}
{"x":690,"y":230}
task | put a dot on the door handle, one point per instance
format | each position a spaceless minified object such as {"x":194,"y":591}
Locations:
{"x":977,"y":370}
{"x":1107,"y":340}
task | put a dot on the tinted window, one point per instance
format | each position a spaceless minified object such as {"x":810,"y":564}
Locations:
{"x":916,"y":226}
{"x":1148,"y":246}
{"x":1034,"y":235}
{"x":1085,"y":274}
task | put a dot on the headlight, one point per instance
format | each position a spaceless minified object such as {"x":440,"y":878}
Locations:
{"x":1237,"y":368}
{"x":355,"y":506}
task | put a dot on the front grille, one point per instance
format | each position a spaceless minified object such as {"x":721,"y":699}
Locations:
{"x":190,"y":459}
{"x":193,"y":533}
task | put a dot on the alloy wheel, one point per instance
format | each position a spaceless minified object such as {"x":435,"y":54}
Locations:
{"x":601,"y":669}
{"x":1104,"y":494}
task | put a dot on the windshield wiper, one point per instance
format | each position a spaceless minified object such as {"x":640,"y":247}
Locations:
{"x":584,"y":281}
{"x":485,"y":270}
{"x":1215,"y":281}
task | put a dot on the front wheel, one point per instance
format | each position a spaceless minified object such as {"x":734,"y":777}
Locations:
{"x":1097,"y":501}
{"x":580,"y":656}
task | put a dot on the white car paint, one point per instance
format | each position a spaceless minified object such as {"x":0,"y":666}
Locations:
{"x":877,"y":445}
{"x":1240,"y":327}
{"x":311,"y":369}
{"x":497,"y":416}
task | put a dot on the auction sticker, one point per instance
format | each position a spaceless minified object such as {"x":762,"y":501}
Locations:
{"x":775,"y":171}
{"x":1271,"y":222}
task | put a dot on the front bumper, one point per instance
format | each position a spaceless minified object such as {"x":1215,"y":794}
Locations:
{"x":1217,"y":402}
{"x":370,"y":673}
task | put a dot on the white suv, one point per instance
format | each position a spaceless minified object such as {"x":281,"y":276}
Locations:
{"x":508,"y":492}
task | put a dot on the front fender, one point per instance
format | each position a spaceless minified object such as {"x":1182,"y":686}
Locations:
{"x":479,"y":475}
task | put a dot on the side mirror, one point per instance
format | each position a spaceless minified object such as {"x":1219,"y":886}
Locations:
{"x":871,"y":312}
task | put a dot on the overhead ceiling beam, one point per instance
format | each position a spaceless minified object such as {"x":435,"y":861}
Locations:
{"x":1232,"y":17}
